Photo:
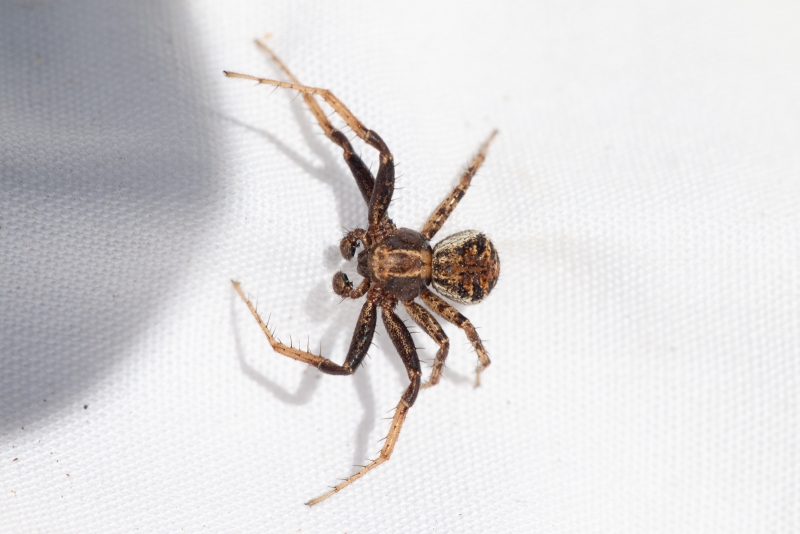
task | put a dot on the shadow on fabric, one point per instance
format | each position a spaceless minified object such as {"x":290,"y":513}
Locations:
{"x":106,"y":187}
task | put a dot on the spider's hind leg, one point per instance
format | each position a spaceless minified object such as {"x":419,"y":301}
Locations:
{"x":440,"y":215}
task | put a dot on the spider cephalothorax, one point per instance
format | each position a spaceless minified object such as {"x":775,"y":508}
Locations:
{"x":397,"y":266}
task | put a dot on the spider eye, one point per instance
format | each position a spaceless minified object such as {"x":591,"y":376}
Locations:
{"x":465,"y":267}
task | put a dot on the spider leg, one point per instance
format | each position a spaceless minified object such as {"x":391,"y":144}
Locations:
{"x":322,"y":119}
{"x":362,"y":339}
{"x":381,"y":195}
{"x":362,"y":131}
{"x":428,"y":323}
{"x":449,"y":313}
{"x":343,"y":287}
{"x":402,"y":341}
{"x":350,"y":242}
{"x":440,"y":215}
{"x":360,"y":171}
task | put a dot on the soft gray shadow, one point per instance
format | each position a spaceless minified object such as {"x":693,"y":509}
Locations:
{"x":332,"y":171}
{"x":308,"y":384}
{"x":106,"y":179}
{"x":367,"y":424}
{"x":311,"y":377}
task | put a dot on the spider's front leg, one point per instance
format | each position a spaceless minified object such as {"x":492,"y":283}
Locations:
{"x":361,"y":172}
{"x":401,"y":339}
{"x":384,"y":181}
{"x":361,"y":341}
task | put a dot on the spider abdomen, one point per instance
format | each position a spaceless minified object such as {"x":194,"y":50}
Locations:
{"x":400,"y":264}
{"x":465,"y":267}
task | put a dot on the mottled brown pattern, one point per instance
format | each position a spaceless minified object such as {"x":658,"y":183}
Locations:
{"x":397,"y":265}
{"x":466,"y":267}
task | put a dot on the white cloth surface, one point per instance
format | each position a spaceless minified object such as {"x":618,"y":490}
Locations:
{"x":643,"y":194}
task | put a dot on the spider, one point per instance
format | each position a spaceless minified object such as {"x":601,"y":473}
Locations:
{"x":397,"y":266}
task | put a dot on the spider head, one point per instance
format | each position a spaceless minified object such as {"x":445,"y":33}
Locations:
{"x":465,"y":267}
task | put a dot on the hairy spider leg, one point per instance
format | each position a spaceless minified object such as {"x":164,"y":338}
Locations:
{"x":384,"y":181}
{"x":440,"y":215}
{"x":450,"y":314}
{"x":361,"y":341}
{"x":402,"y":341}
{"x":343,"y":287}
{"x":428,"y":323}
{"x":361,"y":172}
{"x":322,"y":119}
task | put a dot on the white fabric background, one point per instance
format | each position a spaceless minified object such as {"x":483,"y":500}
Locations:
{"x":643,"y":194}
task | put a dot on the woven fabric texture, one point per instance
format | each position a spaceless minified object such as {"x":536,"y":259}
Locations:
{"x":643,"y":194}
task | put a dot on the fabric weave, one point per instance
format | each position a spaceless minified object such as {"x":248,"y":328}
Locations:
{"x":642,"y":194}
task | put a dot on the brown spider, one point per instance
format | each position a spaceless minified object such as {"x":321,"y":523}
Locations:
{"x":397,"y":265}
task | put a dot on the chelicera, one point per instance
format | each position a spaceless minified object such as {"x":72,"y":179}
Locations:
{"x":397,"y":265}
